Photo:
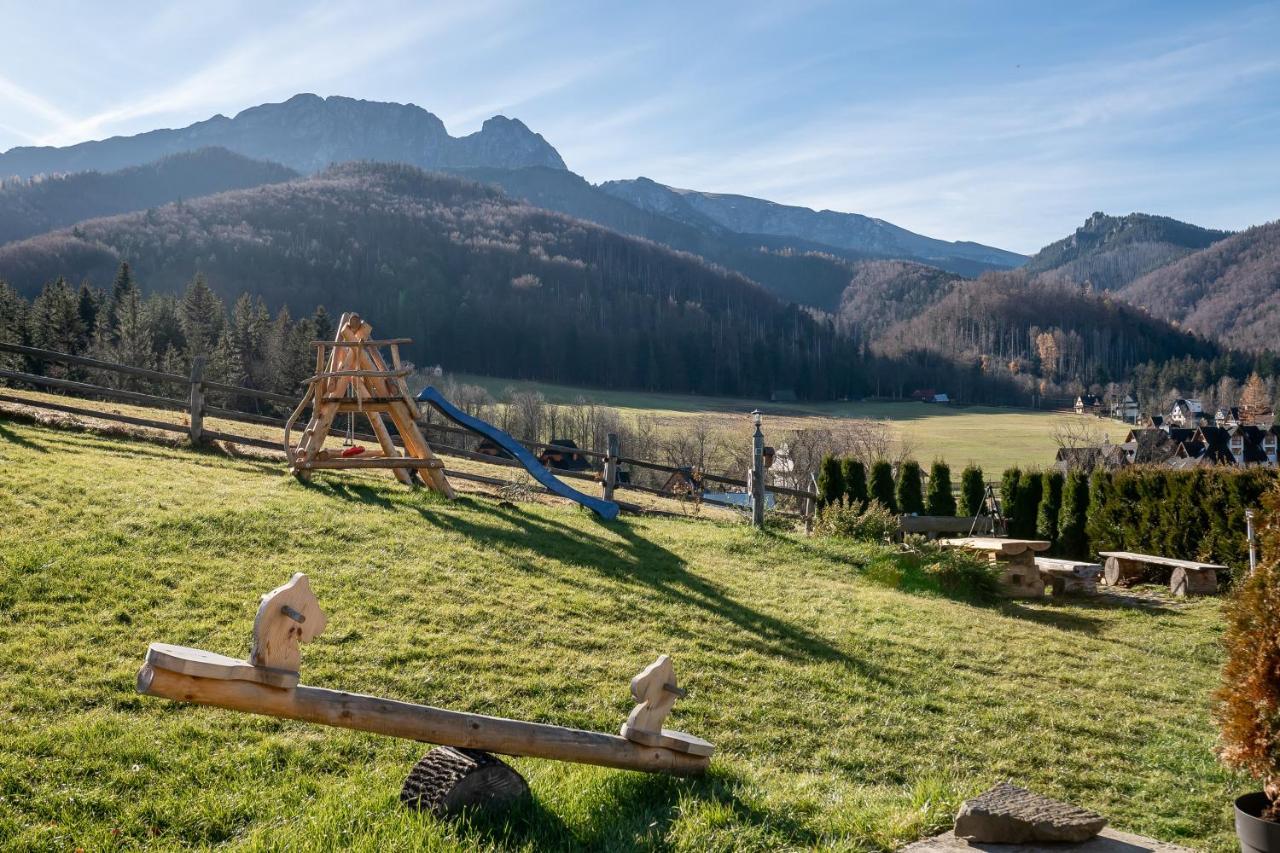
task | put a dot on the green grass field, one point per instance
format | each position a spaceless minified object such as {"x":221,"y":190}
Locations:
{"x":848,"y":712}
{"x":992,"y":437}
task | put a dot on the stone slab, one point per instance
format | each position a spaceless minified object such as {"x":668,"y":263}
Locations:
{"x":1008,"y":814}
{"x":1107,"y":841}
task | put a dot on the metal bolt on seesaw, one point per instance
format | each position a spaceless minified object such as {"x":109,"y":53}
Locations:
{"x":459,"y":774}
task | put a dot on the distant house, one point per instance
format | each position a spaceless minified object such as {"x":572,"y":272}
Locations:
{"x":1240,"y":445}
{"x":924,"y":395}
{"x":943,"y":399}
{"x":1088,"y":403}
{"x":1226,"y":417}
{"x":1125,"y":409}
{"x":1185,"y":413}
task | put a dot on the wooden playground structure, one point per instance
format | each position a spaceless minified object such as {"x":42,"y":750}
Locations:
{"x":353,"y":378}
{"x":458,"y":775}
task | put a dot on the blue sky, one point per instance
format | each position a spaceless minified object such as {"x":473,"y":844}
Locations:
{"x":1005,"y":123}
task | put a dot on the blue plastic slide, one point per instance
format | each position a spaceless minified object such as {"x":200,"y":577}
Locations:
{"x":605,"y":509}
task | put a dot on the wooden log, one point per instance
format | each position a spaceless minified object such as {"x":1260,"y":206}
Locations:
{"x":355,"y":462}
{"x":1183,"y":581}
{"x":195,"y":403}
{"x":420,"y":722}
{"x":1118,"y":571}
{"x":447,"y":781}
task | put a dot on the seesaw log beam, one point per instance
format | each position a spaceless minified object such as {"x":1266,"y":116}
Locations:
{"x":420,"y":722}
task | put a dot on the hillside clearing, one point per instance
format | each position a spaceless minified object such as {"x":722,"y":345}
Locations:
{"x":847,"y":713}
{"x":990,"y":436}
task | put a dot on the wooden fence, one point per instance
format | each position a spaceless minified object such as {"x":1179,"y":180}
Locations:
{"x":194,"y":402}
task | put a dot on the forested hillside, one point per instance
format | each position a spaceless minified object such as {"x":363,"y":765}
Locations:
{"x":882,"y":294}
{"x":1049,"y":338}
{"x":483,"y":283}
{"x":1108,"y":252}
{"x":1230,"y":290}
{"x":37,"y":205}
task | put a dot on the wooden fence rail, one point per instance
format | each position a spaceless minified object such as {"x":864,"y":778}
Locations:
{"x":197,"y":408}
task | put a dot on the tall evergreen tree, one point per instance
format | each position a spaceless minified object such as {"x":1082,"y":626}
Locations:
{"x":830,"y":481}
{"x":322,"y":324}
{"x":13,"y":324}
{"x":854,"y":474}
{"x":1072,"y":539}
{"x":882,"y":484}
{"x":1051,"y":484}
{"x":203,"y":318}
{"x":940,"y":500}
{"x":1009,"y":492}
{"x":54,"y":320}
{"x":910,"y":489}
{"x":123,"y":289}
{"x":1026,"y":506}
{"x":973,"y":490}
{"x":89,"y":304}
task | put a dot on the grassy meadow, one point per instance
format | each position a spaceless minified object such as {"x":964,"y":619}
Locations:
{"x":992,"y":437}
{"x":851,"y":709}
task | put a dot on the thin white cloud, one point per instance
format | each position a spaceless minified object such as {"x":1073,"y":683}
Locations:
{"x":29,"y":102}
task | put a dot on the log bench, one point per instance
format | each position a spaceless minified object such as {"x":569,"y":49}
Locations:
{"x":1186,"y":577}
{"x":1068,"y":576}
{"x":1019,"y":576}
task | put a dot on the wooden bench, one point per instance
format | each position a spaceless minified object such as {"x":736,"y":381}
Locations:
{"x":934,"y":526}
{"x":1186,"y":577}
{"x":1068,"y":576}
{"x":1016,"y":558}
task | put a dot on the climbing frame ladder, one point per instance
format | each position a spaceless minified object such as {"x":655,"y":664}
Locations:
{"x":352,"y":377}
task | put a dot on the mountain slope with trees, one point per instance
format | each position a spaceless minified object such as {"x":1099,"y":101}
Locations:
{"x":883,"y":294}
{"x":1230,"y":290}
{"x":483,"y":283}
{"x":1108,"y":252}
{"x":29,"y":207}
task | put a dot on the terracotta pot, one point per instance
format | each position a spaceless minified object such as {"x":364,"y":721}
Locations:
{"x":1256,"y":835}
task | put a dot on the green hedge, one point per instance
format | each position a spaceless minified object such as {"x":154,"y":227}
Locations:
{"x":973,"y":491}
{"x":830,"y":481}
{"x":882,"y":485}
{"x":910,"y":488}
{"x":854,"y":474}
{"x":1189,"y":515}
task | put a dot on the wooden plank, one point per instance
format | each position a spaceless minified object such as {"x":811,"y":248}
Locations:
{"x":269,"y":396}
{"x":1005,"y":547}
{"x":244,"y":417}
{"x":361,"y":374}
{"x":202,"y":664}
{"x":420,"y":722}
{"x":389,"y":462}
{"x":67,"y":358}
{"x":1161,"y":561}
{"x":97,"y":390}
{"x":369,"y":343}
{"x":167,"y":426}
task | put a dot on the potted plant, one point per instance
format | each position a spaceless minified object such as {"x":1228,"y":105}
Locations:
{"x":1247,"y":704}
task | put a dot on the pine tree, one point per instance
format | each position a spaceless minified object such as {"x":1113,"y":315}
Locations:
{"x":973,"y":491}
{"x":1051,"y":484}
{"x":1073,"y":541}
{"x":54,"y":320}
{"x":13,"y":324}
{"x":321,"y":324}
{"x":133,"y":342}
{"x":89,"y":304}
{"x":830,"y":481}
{"x":940,"y":500}
{"x":910,"y":489}
{"x":203,"y":318}
{"x":882,"y":485}
{"x":123,"y":288}
{"x":854,"y":474}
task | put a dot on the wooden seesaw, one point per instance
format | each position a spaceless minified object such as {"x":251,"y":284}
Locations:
{"x":462,"y":773}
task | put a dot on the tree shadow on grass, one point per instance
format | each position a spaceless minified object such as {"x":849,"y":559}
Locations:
{"x":637,"y":560}
{"x":631,"y":811}
{"x":9,"y":435}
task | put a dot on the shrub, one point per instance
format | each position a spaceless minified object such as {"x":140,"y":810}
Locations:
{"x":854,"y":474}
{"x":882,"y":485}
{"x":1072,"y":540}
{"x":973,"y":491}
{"x":954,"y":571}
{"x":1022,"y":518}
{"x":873,"y":522}
{"x":830,"y":482}
{"x":1247,"y":703}
{"x":1050,"y":507}
{"x":910,"y":489}
{"x":940,"y":500}
{"x":1009,"y":490}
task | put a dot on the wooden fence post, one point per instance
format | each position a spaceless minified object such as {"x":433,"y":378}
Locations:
{"x":196,"y":403}
{"x":611,"y":466}
{"x":757,"y":473}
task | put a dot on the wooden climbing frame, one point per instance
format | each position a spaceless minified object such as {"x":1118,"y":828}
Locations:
{"x":353,"y":378}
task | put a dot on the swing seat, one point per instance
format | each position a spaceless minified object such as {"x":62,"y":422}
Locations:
{"x":355,"y":450}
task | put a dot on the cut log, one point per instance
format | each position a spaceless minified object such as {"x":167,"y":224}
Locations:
{"x":1193,"y":581}
{"x":447,"y":780}
{"x":1121,"y":572}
